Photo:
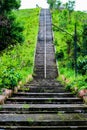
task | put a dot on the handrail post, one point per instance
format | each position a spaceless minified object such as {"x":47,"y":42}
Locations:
{"x":75,"y":50}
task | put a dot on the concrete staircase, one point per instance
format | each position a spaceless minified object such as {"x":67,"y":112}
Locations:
{"x":45,"y":63}
{"x":44,"y":103}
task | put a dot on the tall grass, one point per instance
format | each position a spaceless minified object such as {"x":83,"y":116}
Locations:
{"x":17,"y":62}
{"x":65,"y":61}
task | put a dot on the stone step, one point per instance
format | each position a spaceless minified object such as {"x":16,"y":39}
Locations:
{"x":40,"y":76}
{"x":48,"y":49}
{"x":42,"y":52}
{"x":41,"y":64}
{"x":43,"y":24}
{"x":41,"y":85}
{"x":49,"y":34}
{"x":43,"y":127}
{"x":37,"y":63}
{"x":48,"y":62}
{"x":46,"y":81}
{"x":47,"y":77}
{"x":40,"y":56}
{"x":58,"y":119}
{"x":40,"y":44}
{"x":27,"y":94}
{"x":48,"y":30}
{"x":47,"y":25}
{"x":47,"y":12}
{"x":42,"y":19}
{"x":48,"y":68}
{"x":48,"y":16}
{"x":43,"y":15}
{"x":66,"y":100}
{"x":42,"y":67}
{"x":48,"y":38}
{"x":41,"y":71}
{"x":43,"y":108}
{"x":27,"y":89}
{"x":44,"y":86}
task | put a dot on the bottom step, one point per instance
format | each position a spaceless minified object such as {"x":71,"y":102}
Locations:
{"x":58,"y":119}
{"x":43,"y":127}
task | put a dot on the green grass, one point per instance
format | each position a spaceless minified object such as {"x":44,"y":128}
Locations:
{"x":17,"y":62}
{"x":70,"y":81}
{"x":66,"y":71}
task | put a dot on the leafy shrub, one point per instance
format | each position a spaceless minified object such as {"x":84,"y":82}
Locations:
{"x":10,"y":78}
{"x":76,"y":84}
{"x":59,"y":55}
{"x":82,"y":65}
{"x":65,"y":42}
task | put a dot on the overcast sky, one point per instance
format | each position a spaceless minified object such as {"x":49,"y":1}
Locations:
{"x":80,"y":4}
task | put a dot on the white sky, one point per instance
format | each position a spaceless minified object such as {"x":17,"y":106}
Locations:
{"x":80,"y":4}
{"x":32,"y":3}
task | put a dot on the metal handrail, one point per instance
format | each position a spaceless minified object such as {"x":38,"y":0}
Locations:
{"x":75,"y":44}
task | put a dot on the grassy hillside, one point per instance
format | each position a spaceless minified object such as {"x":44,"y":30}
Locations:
{"x":17,"y":62}
{"x":64,"y":42}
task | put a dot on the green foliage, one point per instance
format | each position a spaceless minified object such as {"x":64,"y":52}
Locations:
{"x":70,"y":5}
{"x":79,"y":82}
{"x":51,"y":3}
{"x":57,"y":4}
{"x":82,"y":65}
{"x":64,"y":37}
{"x":63,"y":18}
{"x":54,"y":3}
{"x":17,"y":62}
{"x":59,"y":55}
{"x":10,"y":78}
{"x":64,"y":43}
{"x":71,"y":82}
{"x":8,"y":5}
{"x":10,"y":30}
{"x":85,"y":39}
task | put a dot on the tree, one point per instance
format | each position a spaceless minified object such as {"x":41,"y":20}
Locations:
{"x":8,"y":5}
{"x":54,"y":4}
{"x":58,"y":4}
{"x":70,"y":5}
{"x":84,"y":40}
{"x":51,"y":3}
{"x":10,"y":30}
